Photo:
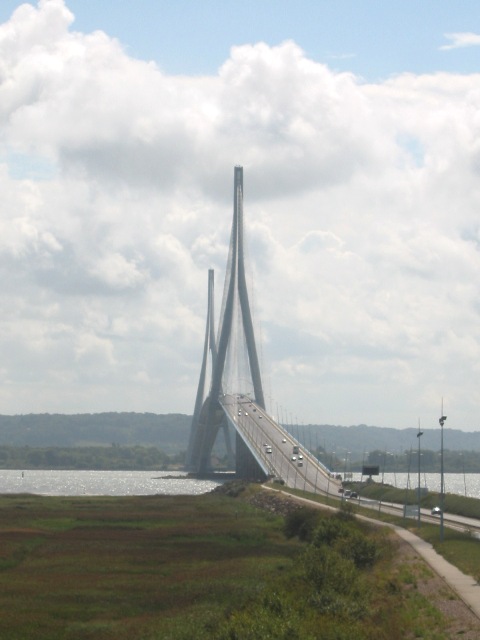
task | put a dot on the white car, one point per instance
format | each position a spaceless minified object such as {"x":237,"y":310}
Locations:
{"x":293,"y":458}
{"x":284,"y":440}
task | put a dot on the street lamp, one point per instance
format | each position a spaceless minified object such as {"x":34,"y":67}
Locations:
{"x":419,"y":435}
{"x":346,"y":464}
{"x":442,"y":484}
{"x":365,"y":454}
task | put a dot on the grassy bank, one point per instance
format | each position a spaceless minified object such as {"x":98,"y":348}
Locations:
{"x":460,"y":548}
{"x":455,"y":504}
{"x":209,"y":567}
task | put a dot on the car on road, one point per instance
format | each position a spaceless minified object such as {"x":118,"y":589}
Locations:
{"x":300,"y":457}
{"x":436,"y":511}
{"x":293,"y":458}
{"x":300,"y":463}
{"x":268,"y":449}
{"x":284,"y":440}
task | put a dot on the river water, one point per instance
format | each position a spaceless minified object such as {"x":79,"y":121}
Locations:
{"x":102,"y":483}
{"x":142,"y":483}
{"x":467,"y":484}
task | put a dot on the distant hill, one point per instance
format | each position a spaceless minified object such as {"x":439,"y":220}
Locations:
{"x":362,"y":438}
{"x":170,"y":432}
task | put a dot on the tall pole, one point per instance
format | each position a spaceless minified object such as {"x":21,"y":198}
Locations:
{"x":345,"y":467}
{"x":419,"y":436}
{"x":408,"y":483}
{"x":442,"y":483}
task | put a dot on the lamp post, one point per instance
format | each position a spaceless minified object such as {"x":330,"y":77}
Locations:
{"x":407,"y":487}
{"x":346,"y":465}
{"x":365,"y":454}
{"x":442,"y":484}
{"x":419,"y":436}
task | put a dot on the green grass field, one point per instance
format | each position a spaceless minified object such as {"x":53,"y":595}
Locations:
{"x":176,"y":568}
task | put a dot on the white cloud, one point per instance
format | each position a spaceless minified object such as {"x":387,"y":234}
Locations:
{"x":460,"y":40}
{"x":361,"y":210}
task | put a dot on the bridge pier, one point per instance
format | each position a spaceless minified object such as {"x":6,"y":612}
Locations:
{"x":246,"y":466}
{"x":206,"y":421}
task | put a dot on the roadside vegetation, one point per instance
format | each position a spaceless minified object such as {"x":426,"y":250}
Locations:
{"x":211,"y":567}
{"x":453,"y":503}
{"x":460,"y":547}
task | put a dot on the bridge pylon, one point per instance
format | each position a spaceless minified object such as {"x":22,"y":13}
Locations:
{"x":208,"y":416}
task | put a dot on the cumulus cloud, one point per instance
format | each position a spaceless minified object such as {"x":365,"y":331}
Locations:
{"x":460,"y":40}
{"x":361,"y":209}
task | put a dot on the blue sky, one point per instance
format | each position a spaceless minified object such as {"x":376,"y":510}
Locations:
{"x":371,"y":38}
{"x":358,"y":126}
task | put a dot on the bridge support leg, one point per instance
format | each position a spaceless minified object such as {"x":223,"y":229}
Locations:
{"x":247,"y":467}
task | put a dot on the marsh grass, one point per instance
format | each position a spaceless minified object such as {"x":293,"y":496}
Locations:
{"x":157,"y":568}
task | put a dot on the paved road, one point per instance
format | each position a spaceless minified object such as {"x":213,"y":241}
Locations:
{"x":273,"y":447}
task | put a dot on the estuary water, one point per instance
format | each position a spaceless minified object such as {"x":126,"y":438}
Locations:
{"x":168,"y":483}
{"x":467,"y":484}
{"x":102,"y":483}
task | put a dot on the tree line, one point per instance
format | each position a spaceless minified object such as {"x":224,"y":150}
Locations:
{"x":111,"y":458}
{"x":388,"y":462}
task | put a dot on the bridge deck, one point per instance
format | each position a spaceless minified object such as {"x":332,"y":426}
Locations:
{"x":273,"y":447}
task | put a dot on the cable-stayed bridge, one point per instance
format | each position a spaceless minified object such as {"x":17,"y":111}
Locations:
{"x":235,"y":401}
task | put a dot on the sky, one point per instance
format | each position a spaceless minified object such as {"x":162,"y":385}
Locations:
{"x":358,"y":127}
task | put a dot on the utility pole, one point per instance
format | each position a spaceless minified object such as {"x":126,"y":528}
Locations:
{"x":419,"y":436}
{"x":442,"y":483}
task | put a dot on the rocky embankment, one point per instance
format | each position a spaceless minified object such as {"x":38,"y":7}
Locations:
{"x":271,"y":501}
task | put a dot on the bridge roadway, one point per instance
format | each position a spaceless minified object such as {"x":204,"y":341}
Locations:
{"x":272,"y":447}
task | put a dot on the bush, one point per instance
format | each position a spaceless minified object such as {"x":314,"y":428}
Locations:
{"x":359,"y":548}
{"x":328,"y":531}
{"x":328,"y":571}
{"x":348,"y":539}
{"x":302,"y":523}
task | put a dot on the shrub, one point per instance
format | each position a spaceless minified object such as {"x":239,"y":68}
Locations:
{"x":360,"y":548}
{"x":348,"y":539}
{"x":328,"y":571}
{"x":302,"y":523}
{"x":328,"y":531}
